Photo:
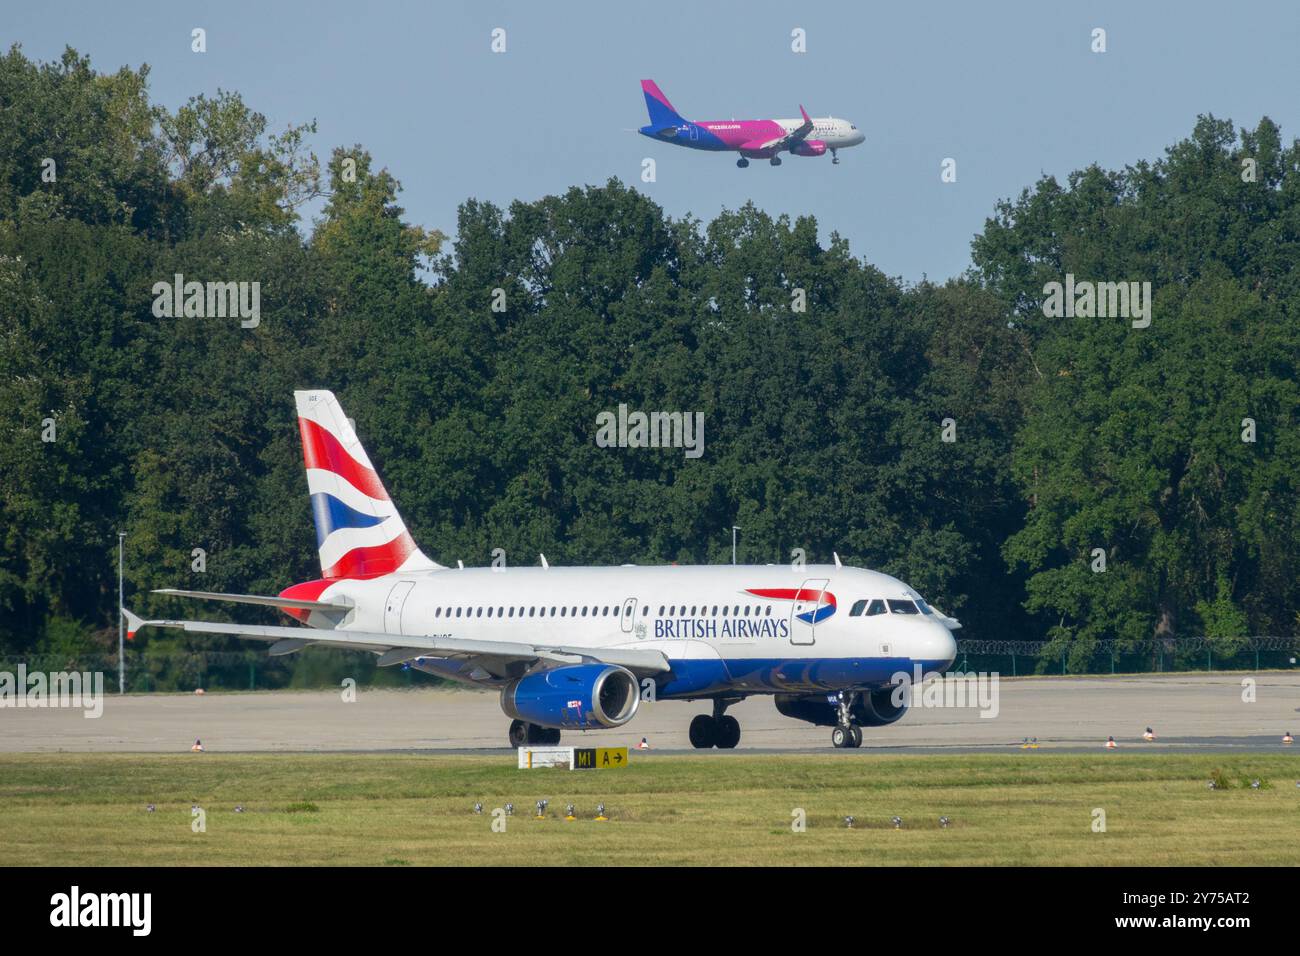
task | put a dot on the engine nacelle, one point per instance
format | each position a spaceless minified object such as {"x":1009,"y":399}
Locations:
{"x":809,"y":147}
{"x":871,"y":709}
{"x":878,"y":708}
{"x":579,"y":696}
{"x":815,"y":710}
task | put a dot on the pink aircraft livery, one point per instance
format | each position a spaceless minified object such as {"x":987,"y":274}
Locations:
{"x":753,"y":139}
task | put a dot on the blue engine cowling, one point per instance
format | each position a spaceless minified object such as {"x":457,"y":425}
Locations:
{"x":579,"y":696}
{"x":871,"y":709}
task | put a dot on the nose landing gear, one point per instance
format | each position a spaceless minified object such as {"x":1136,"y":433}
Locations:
{"x":847,"y":735}
{"x":718,"y":730}
{"x":835,"y":159}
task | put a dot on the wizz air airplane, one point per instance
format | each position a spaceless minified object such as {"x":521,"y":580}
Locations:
{"x":581,"y":648}
{"x":753,"y":139}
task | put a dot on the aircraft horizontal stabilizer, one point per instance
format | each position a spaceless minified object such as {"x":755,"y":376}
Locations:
{"x":280,"y":602}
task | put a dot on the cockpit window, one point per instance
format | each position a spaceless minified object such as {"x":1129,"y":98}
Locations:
{"x":925,"y":608}
{"x":876,"y":607}
{"x":858,"y":607}
{"x":902,"y":607}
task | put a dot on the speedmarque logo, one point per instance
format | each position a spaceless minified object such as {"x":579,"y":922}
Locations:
{"x":103,"y":909}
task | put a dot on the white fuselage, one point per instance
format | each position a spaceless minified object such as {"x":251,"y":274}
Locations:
{"x":835,"y":133}
{"x":801,"y":634}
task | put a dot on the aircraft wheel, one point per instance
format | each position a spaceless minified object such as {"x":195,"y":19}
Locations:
{"x":775,"y":160}
{"x":728,"y":733}
{"x":742,"y":163}
{"x":855,"y":736}
{"x":519,"y":733}
{"x":703,"y":732}
{"x":840,"y":738}
{"x":551,"y":736}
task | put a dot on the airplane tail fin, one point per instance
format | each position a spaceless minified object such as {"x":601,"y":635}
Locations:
{"x":359,"y":533}
{"x":661,"y":111}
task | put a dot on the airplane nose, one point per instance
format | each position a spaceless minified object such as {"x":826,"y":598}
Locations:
{"x":943,"y":645}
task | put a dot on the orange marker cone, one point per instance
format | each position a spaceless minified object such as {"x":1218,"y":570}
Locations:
{"x":1149,"y":734}
{"x":643,"y":745}
{"x":1110,"y":743}
{"x":198,"y":747}
{"x":1287,"y":738}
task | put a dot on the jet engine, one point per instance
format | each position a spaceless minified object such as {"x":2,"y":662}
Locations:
{"x":578,"y":696}
{"x":809,"y":147}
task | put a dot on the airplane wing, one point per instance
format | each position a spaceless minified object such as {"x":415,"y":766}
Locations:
{"x":798,"y":134}
{"x":499,"y":658}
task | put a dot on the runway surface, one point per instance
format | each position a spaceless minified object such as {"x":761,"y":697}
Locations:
{"x":1190,"y":713}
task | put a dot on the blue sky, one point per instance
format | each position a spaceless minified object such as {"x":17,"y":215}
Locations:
{"x":1010,"y":90}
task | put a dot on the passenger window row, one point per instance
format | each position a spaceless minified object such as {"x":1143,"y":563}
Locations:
{"x":533,"y":611}
{"x":739,"y":610}
{"x":673,"y":610}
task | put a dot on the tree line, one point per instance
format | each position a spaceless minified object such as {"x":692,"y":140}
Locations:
{"x":1070,"y":479}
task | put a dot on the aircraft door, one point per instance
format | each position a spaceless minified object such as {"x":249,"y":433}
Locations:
{"x":393,"y":607}
{"x":629,"y":612}
{"x":807,"y":603}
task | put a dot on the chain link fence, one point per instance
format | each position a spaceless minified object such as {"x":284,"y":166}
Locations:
{"x":1156,"y":655}
{"x":227,"y":670}
{"x":319,"y":667}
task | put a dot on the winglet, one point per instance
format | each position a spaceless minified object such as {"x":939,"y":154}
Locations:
{"x":806,"y":117}
{"x":133,"y":623}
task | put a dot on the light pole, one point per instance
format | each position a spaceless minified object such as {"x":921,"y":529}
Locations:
{"x":121,"y":618}
{"x":734,"y":529}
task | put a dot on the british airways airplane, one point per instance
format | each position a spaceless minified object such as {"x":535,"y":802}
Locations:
{"x":753,"y":139}
{"x":580,"y":648}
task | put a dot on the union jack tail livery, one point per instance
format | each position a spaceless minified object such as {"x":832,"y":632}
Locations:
{"x":359,"y":533}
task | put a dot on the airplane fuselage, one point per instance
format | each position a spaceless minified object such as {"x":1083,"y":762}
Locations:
{"x":578,"y":648}
{"x":724,"y":629}
{"x":722,"y":135}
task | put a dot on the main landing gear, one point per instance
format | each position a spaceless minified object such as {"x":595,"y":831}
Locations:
{"x":718,"y":731}
{"x":742,"y":163}
{"x":523,"y":733}
{"x":775,"y":160}
{"x":847,"y":734}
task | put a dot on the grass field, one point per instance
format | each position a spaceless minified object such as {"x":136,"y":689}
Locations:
{"x":1023,"y":808}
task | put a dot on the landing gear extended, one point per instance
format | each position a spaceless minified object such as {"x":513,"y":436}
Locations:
{"x":523,"y":733}
{"x":847,"y":734}
{"x":717,"y":730}
{"x":742,"y":163}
